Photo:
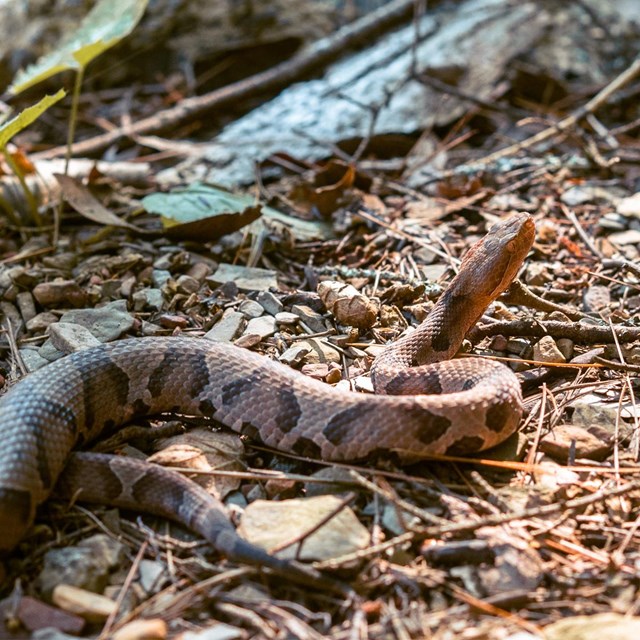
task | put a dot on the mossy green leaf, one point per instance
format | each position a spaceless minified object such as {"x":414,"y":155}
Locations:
{"x":26,"y":117}
{"x":205,"y":212}
{"x":105,"y":25}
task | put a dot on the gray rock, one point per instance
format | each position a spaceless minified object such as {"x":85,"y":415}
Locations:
{"x":187,"y":284}
{"x":269,"y":302}
{"x":27,"y":306}
{"x":295,"y":354}
{"x":251,"y":308}
{"x":152,"y":575}
{"x":160,"y":277}
{"x":148,"y":299}
{"x":80,"y":566}
{"x":217,"y":631}
{"x":70,"y":337}
{"x":32,"y":359}
{"x":227,"y":328}
{"x":546,"y":350}
{"x":596,"y":298}
{"x":286,"y":317}
{"x":245,"y":278}
{"x":311,"y":318}
{"x":264,"y":326}
{"x":268,"y":524}
{"x":106,"y":323}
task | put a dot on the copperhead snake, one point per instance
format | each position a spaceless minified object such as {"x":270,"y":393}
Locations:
{"x":437,"y":406}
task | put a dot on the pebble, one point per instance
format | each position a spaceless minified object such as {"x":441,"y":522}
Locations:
{"x":264,"y":326}
{"x":546,"y":350}
{"x":148,"y":299}
{"x":106,"y":323}
{"x":32,"y":359}
{"x":11,"y":313}
{"x":152,"y":575}
{"x":632,"y":236}
{"x":296,"y":354}
{"x":311,"y":318}
{"x":596,"y":298}
{"x":537,"y":273}
{"x":187,"y":284}
{"x":86,"y":604}
{"x":144,"y":629}
{"x":565,"y":345}
{"x":199,"y":271}
{"x":269,"y":302}
{"x":268,"y":524}
{"x":592,"y":442}
{"x":599,"y":626}
{"x":227,"y":328}
{"x":86,"y":566}
{"x":27,"y":306}
{"x":160,"y":277}
{"x":286,"y":317}
{"x":60,"y":293}
{"x":251,"y":308}
{"x":217,"y":631}
{"x":245,"y":278}
{"x":34,"y":615}
{"x":518,"y":346}
{"x":70,"y":337}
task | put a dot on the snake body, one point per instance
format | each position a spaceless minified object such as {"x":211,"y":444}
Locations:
{"x":438,"y":406}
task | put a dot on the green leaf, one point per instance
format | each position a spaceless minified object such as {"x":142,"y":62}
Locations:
{"x":26,"y":117}
{"x":204,"y":212}
{"x":105,"y":25}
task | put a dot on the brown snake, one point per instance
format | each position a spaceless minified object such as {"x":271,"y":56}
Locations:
{"x":450,"y":406}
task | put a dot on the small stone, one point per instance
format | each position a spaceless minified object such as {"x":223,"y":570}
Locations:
{"x":264,"y":326}
{"x":538,"y":274}
{"x":286,"y":317}
{"x":499,"y":343}
{"x":60,"y":293}
{"x":516,"y":364}
{"x":248,"y":341}
{"x":595,"y":627}
{"x":160,"y":277}
{"x":148,"y":299}
{"x":199,"y":271}
{"x":245,"y":278}
{"x":152,"y":575}
{"x":592,"y":443}
{"x":27,"y":306}
{"x":35,"y":615}
{"x":518,"y":346}
{"x":565,"y":345}
{"x":163,"y":262}
{"x":311,"y":318}
{"x":70,"y":337}
{"x":86,"y":604}
{"x":596,"y":298}
{"x":588,"y":412}
{"x":106,"y":323}
{"x":269,"y":302}
{"x":332,"y":480}
{"x":32,"y":359}
{"x":319,"y":370}
{"x":632,"y":236}
{"x":217,"y":631}
{"x":144,"y":629}
{"x":227,"y":328}
{"x":295,"y":354}
{"x":173,"y":321}
{"x":41,"y":321}
{"x":558,"y":316}
{"x":251,"y":308}
{"x":187,"y":284}
{"x":269,"y":523}
{"x":87,"y":566}
{"x":333,"y":377}
{"x":546,"y":350}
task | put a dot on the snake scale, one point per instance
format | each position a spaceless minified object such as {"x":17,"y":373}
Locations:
{"x":424,"y":404}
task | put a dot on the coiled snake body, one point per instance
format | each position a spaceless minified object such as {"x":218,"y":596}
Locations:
{"x":477,"y":404}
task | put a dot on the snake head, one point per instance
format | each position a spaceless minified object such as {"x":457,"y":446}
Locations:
{"x":493,"y":262}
